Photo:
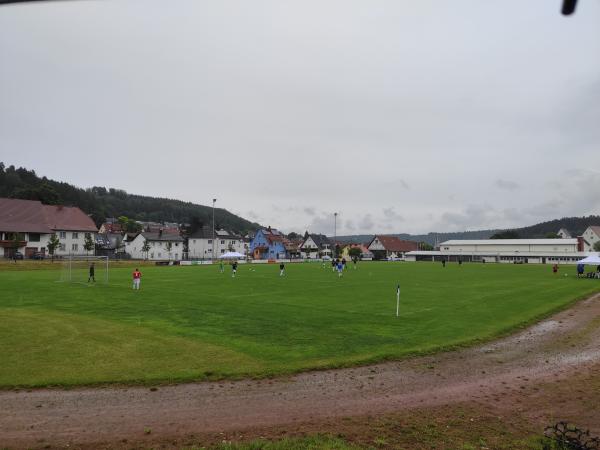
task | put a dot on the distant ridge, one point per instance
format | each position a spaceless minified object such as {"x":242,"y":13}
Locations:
{"x":575,"y":225}
{"x":100,"y":202}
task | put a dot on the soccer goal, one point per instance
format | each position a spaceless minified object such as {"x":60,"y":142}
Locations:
{"x":77,"y":269}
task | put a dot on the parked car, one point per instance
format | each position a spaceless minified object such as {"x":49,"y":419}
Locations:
{"x":38,"y":255}
{"x":17,"y":255}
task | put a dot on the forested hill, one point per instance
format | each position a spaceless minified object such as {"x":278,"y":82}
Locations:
{"x":575,"y":225}
{"x":101,"y":202}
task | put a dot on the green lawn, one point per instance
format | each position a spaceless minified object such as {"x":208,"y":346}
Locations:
{"x":192,"y":322}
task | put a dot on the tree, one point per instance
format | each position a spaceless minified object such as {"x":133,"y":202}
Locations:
{"x":508,"y":234}
{"x":53,"y":244}
{"x":17,"y":239}
{"x":88,"y":244}
{"x":597,"y":246}
{"x":551,"y":235}
{"x":293,"y":236}
{"x":425,"y":246}
{"x":146,"y":248}
{"x":355,"y":252}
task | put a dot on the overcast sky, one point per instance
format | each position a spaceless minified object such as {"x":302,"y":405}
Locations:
{"x":403,"y":116}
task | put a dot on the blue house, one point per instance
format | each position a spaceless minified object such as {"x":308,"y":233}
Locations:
{"x":268,"y":243}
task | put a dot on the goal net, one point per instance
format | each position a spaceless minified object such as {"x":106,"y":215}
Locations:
{"x":77,"y":269}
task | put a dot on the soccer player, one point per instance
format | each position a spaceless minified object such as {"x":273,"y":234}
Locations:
{"x":333,"y":264}
{"x":221,"y":266}
{"x":137,"y":277}
{"x":91,"y":276}
{"x":281,"y":269}
{"x":344,"y":263}
{"x":340,"y":268}
{"x":234,"y":269}
{"x":355,"y":260}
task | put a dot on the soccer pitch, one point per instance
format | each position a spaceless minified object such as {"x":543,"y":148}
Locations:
{"x":193,"y":323}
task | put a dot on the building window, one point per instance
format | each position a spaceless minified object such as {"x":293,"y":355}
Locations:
{"x":74,"y":247}
{"x":34,"y":237}
{"x":62,"y":234}
{"x":210,"y":241}
{"x":194,"y":241}
{"x":222,"y":242}
{"x":222,"y":250}
{"x":159,"y":255}
{"x":152,"y":255}
{"x":88,"y":235}
{"x":75,"y":235}
{"x":62,"y":247}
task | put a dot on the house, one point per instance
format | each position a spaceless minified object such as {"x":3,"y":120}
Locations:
{"x":384,"y":247}
{"x":161,"y":246}
{"x":590,"y":236}
{"x":365,"y":254}
{"x":563,"y":233}
{"x":29,"y":225}
{"x":200,"y":244}
{"x":268,"y":243}
{"x":109,"y":244}
{"x":111,"y":227}
{"x":316,"y":246}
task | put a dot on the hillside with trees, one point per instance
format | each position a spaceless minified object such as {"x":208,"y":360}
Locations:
{"x":101,"y":202}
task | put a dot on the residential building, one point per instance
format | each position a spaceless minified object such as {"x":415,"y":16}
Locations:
{"x":33,"y":224}
{"x":590,"y":236}
{"x":365,"y":254}
{"x":384,"y":247}
{"x":563,"y":233}
{"x":268,"y":243}
{"x":201,"y":244}
{"x":316,"y":246}
{"x":162,"y":246}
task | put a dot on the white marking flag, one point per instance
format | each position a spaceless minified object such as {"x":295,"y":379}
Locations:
{"x":398,"y":300}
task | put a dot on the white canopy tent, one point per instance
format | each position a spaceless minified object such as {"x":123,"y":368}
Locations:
{"x":593,"y":260}
{"x":232,"y":255}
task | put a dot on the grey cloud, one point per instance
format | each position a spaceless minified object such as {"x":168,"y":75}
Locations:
{"x":507,"y":184}
{"x":310,"y":211}
{"x":391,"y":215}
{"x":366,"y":223}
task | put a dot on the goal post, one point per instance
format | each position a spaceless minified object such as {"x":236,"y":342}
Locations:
{"x":76,"y":269}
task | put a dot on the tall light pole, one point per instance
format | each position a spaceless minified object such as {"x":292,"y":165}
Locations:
{"x":334,"y":233}
{"x":213,"y":239}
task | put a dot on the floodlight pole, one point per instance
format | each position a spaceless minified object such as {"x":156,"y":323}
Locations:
{"x":213,"y":234}
{"x":334,"y":233}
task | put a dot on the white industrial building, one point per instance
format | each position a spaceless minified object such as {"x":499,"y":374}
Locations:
{"x":535,"y":251}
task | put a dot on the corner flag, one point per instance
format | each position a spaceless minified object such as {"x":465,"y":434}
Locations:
{"x":397,"y":300}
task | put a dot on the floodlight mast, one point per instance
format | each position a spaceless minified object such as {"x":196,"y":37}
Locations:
{"x":213,"y":233}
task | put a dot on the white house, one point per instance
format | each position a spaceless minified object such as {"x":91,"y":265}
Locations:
{"x":162,"y":246}
{"x":505,"y":251}
{"x":590,"y":236}
{"x":316,"y":246}
{"x":201,"y":244}
{"x":563,"y":233}
{"x":33,"y":224}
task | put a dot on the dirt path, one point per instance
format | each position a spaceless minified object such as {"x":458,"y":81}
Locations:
{"x":566,"y":343}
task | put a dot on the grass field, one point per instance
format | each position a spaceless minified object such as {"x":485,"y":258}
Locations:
{"x":190,"y":323}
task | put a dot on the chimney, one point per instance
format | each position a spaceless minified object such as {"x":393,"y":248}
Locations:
{"x":580,"y":243}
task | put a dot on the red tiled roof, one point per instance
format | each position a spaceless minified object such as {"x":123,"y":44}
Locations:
{"x":595,"y":229}
{"x":22,"y":216}
{"x":394,"y":244}
{"x":30,"y":216}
